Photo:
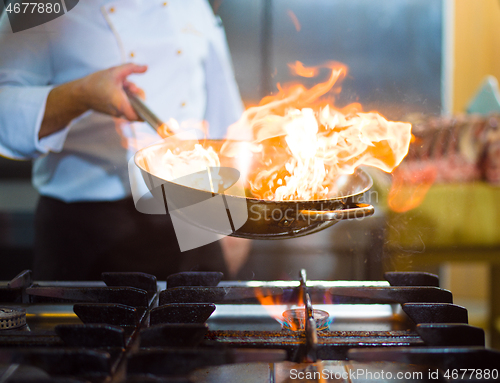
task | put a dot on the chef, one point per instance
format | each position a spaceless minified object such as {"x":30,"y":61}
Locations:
{"x":63,"y":104}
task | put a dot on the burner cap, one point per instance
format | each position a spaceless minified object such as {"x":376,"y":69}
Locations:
{"x":12,"y":318}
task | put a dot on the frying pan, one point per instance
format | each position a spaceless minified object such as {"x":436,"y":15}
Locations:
{"x":249,"y":216}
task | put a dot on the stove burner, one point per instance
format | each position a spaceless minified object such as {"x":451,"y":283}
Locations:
{"x":295,"y":319}
{"x":12,"y":318}
{"x":133,"y":331}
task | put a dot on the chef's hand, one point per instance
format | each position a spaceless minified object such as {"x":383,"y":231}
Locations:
{"x":102,"y":91}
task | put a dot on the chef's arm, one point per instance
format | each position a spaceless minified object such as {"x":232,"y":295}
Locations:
{"x":101,"y":91}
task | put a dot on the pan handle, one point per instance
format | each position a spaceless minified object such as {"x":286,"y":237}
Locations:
{"x":359,"y":210}
{"x":146,"y":114}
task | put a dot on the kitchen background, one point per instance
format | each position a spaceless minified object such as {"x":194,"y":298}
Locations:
{"x":407,"y":59}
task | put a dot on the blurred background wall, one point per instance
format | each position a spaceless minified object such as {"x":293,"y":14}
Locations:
{"x":476,"y":47}
{"x":393,"y":48}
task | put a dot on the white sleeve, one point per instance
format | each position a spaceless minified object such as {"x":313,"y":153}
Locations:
{"x":224,"y":105}
{"x":25,"y":75}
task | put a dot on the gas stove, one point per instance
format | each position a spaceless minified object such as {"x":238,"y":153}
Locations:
{"x":194,"y":327}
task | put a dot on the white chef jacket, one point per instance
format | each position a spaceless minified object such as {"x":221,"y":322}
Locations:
{"x":189,"y":79}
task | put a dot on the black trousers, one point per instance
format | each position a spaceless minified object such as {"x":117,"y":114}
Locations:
{"x":79,"y":241}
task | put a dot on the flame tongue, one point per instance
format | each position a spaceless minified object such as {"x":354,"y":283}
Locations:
{"x":301,"y":143}
{"x":305,"y":143}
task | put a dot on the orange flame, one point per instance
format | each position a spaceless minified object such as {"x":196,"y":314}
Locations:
{"x":301,"y":142}
{"x":299,"y":69}
{"x":409,"y":188}
{"x":294,"y":19}
{"x":274,"y":305}
{"x":163,"y":130}
{"x":305,"y":142}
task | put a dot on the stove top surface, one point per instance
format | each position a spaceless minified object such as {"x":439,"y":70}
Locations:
{"x":196,"y":328}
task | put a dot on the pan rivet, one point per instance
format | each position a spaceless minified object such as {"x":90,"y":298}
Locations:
{"x":286,"y":222}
